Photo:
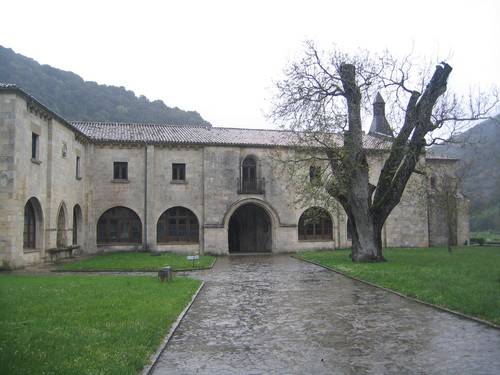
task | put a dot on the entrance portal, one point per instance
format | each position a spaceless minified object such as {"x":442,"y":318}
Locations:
{"x":250,"y":230}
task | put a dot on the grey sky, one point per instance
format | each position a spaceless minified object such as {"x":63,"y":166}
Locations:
{"x":221,"y":57}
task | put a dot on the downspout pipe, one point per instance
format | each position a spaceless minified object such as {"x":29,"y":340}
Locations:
{"x":145,"y":241}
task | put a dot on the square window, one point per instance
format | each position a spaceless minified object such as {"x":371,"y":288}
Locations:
{"x":120,"y":170}
{"x":34,"y":146}
{"x":178,"y":172}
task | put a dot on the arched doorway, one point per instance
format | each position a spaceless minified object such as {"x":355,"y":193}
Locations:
{"x":61,"y":227}
{"x":249,"y":230}
{"x":77,"y":224}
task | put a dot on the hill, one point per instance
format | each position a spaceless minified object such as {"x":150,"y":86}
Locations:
{"x":75,"y":99}
{"x":479,"y":151}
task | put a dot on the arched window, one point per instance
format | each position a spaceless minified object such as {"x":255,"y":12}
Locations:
{"x":177,"y":224}
{"x":249,"y":170}
{"x":315,"y":224}
{"x":119,"y":225}
{"x":29,"y":234}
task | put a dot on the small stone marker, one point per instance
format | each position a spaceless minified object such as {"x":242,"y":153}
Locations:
{"x":165,"y":273}
{"x":193,"y":258}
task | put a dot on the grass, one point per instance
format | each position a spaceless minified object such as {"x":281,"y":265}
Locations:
{"x":489,"y":235}
{"x":133,"y":261}
{"x":467,"y":280}
{"x":85,"y":324}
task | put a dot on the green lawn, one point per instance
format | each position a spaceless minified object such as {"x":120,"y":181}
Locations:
{"x":467,"y":280}
{"x":489,"y":235}
{"x":85,"y":324}
{"x":132,"y":261}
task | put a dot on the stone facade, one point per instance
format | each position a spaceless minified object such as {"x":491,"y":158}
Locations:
{"x":68,"y":207}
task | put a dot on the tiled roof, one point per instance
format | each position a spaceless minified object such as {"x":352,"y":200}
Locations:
{"x":7,"y":86}
{"x":202,"y":135}
{"x":113,"y":132}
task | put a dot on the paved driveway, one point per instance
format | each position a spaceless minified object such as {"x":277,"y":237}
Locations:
{"x":278,"y":315}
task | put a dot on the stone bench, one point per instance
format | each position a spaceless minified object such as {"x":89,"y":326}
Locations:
{"x":56,"y":251}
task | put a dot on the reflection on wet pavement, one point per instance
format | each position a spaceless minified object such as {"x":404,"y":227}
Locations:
{"x":278,"y":315}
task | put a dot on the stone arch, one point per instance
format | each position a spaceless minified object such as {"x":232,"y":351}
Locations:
{"x":77,"y":225}
{"x":119,"y":225}
{"x":267,"y":213}
{"x":273,"y":214}
{"x":33,"y":225}
{"x":315,"y":224}
{"x":249,"y":158}
{"x":62,"y":214}
{"x":136,"y":208}
{"x":177,"y":224}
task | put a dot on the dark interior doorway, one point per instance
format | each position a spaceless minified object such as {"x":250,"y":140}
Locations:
{"x":250,"y":230}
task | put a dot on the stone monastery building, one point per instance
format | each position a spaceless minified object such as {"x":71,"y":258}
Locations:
{"x":190,"y":189}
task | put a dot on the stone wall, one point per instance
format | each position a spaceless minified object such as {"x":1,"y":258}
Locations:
{"x":440,"y":211}
{"x":49,"y":178}
{"x":8,"y":207}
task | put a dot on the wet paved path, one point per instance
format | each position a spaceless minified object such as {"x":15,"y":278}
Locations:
{"x":278,"y":315}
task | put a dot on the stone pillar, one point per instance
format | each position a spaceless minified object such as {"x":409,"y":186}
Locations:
{"x":150,"y":224}
{"x":215,"y":237}
{"x":50,"y":222}
{"x":89,"y":218}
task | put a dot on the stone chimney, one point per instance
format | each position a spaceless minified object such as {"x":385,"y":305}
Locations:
{"x":379,"y":125}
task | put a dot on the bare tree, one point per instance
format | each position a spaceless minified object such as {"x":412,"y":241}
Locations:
{"x":323,"y":99}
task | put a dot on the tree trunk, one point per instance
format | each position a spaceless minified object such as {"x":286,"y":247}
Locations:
{"x":366,"y":238}
{"x":450,"y":233}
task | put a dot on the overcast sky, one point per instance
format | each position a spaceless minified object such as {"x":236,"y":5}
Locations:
{"x":221,"y":58}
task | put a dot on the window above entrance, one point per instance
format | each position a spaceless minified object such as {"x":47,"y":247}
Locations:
{"x":120,"y":170}
{"x":249,"y":183}
{"x":178,"y":172}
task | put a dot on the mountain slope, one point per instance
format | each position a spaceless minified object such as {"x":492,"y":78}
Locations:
{"x":75,"y":99}
{"x":479,"y":151}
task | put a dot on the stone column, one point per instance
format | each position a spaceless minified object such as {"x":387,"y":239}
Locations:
{"x":150,"y":199}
